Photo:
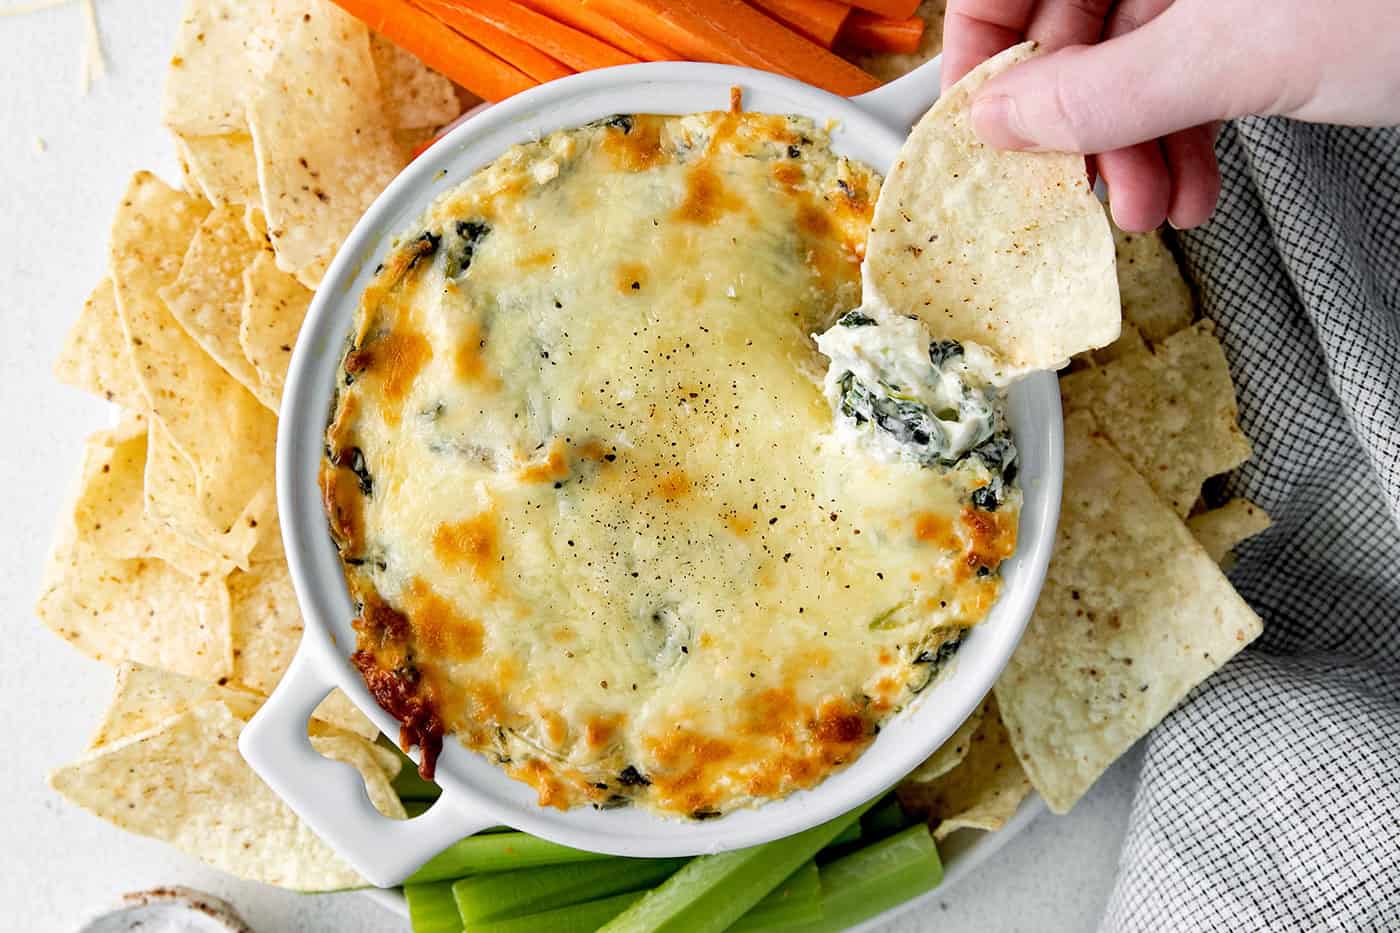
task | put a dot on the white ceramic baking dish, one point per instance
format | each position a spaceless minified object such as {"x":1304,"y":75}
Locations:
{"x":477,"y":794}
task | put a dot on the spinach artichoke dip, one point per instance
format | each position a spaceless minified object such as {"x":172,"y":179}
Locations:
{"x":612,"y":516}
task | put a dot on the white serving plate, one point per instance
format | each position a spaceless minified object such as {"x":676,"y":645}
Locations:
{"x":330,"y":796}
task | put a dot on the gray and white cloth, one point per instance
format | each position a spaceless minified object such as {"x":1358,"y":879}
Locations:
{"x":1271,"y":799}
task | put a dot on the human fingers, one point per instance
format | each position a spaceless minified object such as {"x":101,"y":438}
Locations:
{"x":1139,"y":187}
{"x":975,"y":30}
{"x":1195,"y":175}
{"x":1136,"y":87}
{"x":1058,"y":23}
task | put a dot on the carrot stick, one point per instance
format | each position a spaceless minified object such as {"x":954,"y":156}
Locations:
{"x":440,"y":48}
{"x":889,"y":9}
{"x":734,"y":33}
{"x":818,"y":20}
{"x":522,"y":55}
{"x":578,"y":50}
{"x":585,"y":19}
{"x":871,"y":33}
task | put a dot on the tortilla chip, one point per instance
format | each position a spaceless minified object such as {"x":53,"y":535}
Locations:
{"x":222,"y":168}
{"x":951,"y":753}
{"x":207,"y":296}
{"x":140,"y":609}
{"x":213,"y":487}
{"x":982,"y":792}
{"x":889,"y":66}
{"x":1008,"y":249}
{"x":1133,"y":614}
{"x":1129,"y":342}
{"x":274,"y":306}
{"x":110,"y":503}
{"x":415,"y":96}
{"x":1156,"y":299}
{"x":144,"y":697}
{"x":184,"y":782}
{"x":324,"y":145}
{"x":219,"y":53}
{"x":95,"y":358}
{"x":1171,"y":412}
{"x":1221,"y":530}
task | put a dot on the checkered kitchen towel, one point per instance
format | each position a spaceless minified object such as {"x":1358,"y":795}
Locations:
{"x":1271,"y":799}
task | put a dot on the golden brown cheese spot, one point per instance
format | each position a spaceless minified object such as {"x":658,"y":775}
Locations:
{"x":936,"y":530}
{"x":673,"y":486}
{"x":789,"y":175}
{"x":630,"y":278}
{"x":601,"y":730}
{"x":469,"y":362}
{"x":706,"y":200}
{"x":439,"y":628}
{"x":813,"y":221}
{"x":738,"y":524}
{"x":536,"y":260}
{"x":345,"y":507}
{"x":469,"y":543}
{"x":638,"y":150}
{"x":992,"y":537}
{"x":554,"y":468}
{"x":552,"y":791}
{"x":839,"y":723}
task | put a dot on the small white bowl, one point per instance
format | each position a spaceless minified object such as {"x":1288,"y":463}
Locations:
{"x":476,"y":793}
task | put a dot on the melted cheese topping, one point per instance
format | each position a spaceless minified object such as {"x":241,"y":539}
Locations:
{"x":588,"y":490}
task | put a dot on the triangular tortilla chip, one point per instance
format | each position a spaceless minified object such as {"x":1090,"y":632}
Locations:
{"x":220,"y":51}
{"x":1171,"y":413}
{"x":415,"y":96}
{"x":111,"y":501}
{"x":324,"y":145}
{"x":982,"y":792}
{"x":140,"y":609}
{"x":1156,"y":299}
{"x":222,"y":167}
{"x":1007,"y":249}
{"x":95,"y":357}
{"x":1221,"y":530}
{"x":223,"y":489}
{"x":207,"y":296}
{"x":1133,"y":614}
{"x":184,"y":782}
{"x":951,"y":753}
{"x":274,"y":306}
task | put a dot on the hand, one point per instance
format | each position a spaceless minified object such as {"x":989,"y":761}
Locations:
{"x":1143,"y":84}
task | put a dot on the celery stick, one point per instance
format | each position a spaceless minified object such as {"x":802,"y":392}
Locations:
{"x":431,"y":908}
{"x":848,"y":835}
{"x":416,"y":807}
{"x":796,"y":901}
{"x":576,"y":918}
{"x":478,"y":855}
{"x":531,"y":890}
{"x":884,"y":820}
{"x":876,"y":878}
{"x":410,"y":786}
{"x":713,"y":891}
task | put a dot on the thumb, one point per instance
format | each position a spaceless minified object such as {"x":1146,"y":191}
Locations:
{"x":1128,"y":90}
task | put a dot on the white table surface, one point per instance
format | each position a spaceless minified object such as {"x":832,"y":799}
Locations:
{"x":57,"y":863}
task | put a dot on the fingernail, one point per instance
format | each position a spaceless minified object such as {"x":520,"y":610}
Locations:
{"x":997,"y":122}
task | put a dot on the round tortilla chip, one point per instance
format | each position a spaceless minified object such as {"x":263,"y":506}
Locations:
{"x":1008,"y":249}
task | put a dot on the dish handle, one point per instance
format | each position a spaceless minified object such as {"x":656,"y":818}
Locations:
{"x":901,"y":102}
{"x":330,"y":795}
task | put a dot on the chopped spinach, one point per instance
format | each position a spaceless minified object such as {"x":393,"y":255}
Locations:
{"x":929,"y":662}
{"x":470,"y":233}
{"x":909,"y":422}
{"x":941,"y":351}
{"x":631,"y":777}
{"x":855,"y":319}
{"x":985,"y":498}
